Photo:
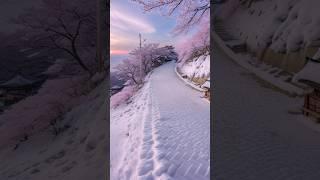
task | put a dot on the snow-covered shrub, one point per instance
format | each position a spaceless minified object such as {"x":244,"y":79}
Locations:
{"x":123,"y":96}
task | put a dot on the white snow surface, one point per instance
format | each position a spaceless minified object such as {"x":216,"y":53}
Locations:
{"x":79,"y":153}
{"x":163,"y":133}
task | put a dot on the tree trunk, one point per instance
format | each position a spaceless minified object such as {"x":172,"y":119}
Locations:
{"x":77,"y":57}
{"x":102,"y":33}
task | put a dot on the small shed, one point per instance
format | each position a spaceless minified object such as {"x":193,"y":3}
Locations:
{"x":206,"y":87}
{"x":310,"y":75}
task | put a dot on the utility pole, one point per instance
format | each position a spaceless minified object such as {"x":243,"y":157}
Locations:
{"x":140,"y":46}
{"x":140,"y":40}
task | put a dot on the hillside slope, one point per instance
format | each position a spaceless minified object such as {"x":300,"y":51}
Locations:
{"x":79,"y":152}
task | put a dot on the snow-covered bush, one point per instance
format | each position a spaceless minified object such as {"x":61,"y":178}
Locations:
{"x":123,"y":96}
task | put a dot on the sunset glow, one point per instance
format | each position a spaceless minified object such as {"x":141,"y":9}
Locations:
{"x":118,"y":52}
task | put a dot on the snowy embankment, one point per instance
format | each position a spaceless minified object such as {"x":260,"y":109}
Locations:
{"x":77,"y":152}
{"x":286,"y":25}
{"x":280,"y":33}
{"x":166,"y":124}
{"x":243,"y":61}
{"x":197,"y":68}
{"x":188,"y":82}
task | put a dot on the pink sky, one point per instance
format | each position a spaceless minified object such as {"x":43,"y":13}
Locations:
{"x":118,"y":52}
{"x":127,"y":20}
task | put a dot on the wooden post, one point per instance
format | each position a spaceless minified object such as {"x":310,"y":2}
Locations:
{"x":140,"y":46}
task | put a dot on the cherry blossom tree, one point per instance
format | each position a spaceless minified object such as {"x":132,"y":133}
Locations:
{"x":69,"y":26}
{"x":143,"y":60}
{"x":131,"y":69}
{"x":189,"y":12}
{"x":198,"y":44}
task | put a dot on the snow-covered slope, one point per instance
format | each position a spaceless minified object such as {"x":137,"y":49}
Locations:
{"x":287,"y":25}
{"x":79,"y":152}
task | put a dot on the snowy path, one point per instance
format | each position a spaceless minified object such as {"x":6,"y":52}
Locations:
{"x":255,"y":137}
{"x":176,"y":132}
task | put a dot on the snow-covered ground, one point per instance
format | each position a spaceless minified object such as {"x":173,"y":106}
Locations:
{"x":163,"y":133}
{"x":80,"y":152}
{"x":258,"y":132}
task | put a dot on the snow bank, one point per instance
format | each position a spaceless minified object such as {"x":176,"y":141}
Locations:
{"x":285,"y":25}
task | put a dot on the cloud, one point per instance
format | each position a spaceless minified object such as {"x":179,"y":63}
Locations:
{"x":125,"y":25}
{"x":123,"y":42}
{"x":128,"y":22}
